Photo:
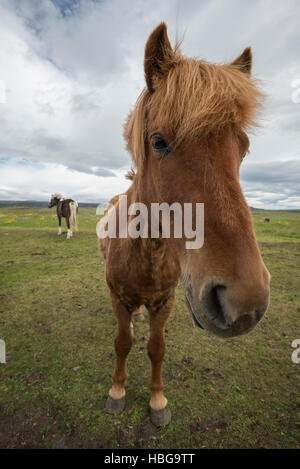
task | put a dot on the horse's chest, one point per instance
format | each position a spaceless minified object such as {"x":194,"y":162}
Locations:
{"x":142,"y":270}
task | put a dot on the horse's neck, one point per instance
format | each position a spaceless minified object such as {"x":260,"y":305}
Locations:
{"x":59,"y":206}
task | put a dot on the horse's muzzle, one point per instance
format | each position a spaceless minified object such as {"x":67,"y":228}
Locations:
{"x":214,"y":312}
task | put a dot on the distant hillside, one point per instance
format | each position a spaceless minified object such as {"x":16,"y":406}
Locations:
{"x":102,"y":203}
{"x":36,"y":204}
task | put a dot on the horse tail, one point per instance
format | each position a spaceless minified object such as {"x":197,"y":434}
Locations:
{"x":73,"y":216}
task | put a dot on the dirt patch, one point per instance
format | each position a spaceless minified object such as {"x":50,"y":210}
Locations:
{"x":32,"y":427}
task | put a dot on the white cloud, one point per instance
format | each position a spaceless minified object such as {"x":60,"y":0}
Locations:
{"x":72,"y":71}
{"x":38,"y":181}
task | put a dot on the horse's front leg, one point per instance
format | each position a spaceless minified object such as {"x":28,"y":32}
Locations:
{"x":159,"y":411}
{"x":69,"y":234}
{"x":115,"y":403}
{"x":59,"y":225}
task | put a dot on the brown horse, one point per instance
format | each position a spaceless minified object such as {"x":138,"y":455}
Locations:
{"x":187,"y":137}
{"x":67,"y":208}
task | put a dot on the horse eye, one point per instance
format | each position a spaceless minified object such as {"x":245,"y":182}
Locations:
{"x":159,"y":145}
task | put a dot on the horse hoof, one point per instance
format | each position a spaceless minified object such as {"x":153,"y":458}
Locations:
{"x":138,"y":317}
{"x":115,"y":406}
{"x":160,"y":417}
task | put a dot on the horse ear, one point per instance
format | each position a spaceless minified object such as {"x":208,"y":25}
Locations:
{"x":158,"y":55}
{"x":244,"y":61}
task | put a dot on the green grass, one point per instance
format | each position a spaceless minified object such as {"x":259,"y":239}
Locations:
{"x":58,"y":325}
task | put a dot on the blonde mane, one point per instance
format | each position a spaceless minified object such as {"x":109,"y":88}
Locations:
{"x":194,"y":99}
{"x":57,"y":195}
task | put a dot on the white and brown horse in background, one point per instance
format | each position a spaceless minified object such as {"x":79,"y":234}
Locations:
{"x":67,"y":208}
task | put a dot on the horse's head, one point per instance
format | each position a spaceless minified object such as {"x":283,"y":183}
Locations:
{"x":187,"y":135}
{"x":55,"y":198}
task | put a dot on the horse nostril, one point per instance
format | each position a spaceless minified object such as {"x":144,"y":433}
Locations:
{"x":213,"y":306}
{"x":228,"y":313}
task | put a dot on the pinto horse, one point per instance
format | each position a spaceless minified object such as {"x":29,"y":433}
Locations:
{"x":67,"y":208}
{"x":187,"y":137}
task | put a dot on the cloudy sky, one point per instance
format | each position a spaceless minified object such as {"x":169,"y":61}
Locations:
{"x":70,"y":70}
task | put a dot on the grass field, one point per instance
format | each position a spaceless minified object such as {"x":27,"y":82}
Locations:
{"x":57,"y":322}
